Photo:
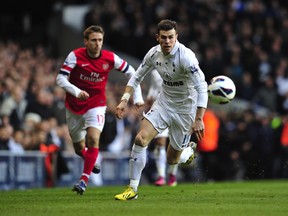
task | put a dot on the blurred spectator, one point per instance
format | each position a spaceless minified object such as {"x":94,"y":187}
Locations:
{"x":212,"y":65}
{"x":93,"y":16}
{"x":228,"y":152}
{"x":114,"y":137}
{"x":266,"y":95}
{"x":58,"y":106}
{"x":264,"y":67}
{"x":208,"y":147}
{"x":31,"y":120}
{"x":284,"y":147}
{"x":264,"y":149}
{"x":42,"y":104}
{"x":14,"y":106}
{"x":246,"y":89}
{"x":236,"y":69}
{"x":7,"y":142}
{"x":282,"y":84}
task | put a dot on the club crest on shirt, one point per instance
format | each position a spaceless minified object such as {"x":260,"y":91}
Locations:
{"x":105,"y":66}
{"x":167,"y":76}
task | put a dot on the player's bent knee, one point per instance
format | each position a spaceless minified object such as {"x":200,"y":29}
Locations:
{"x":141,"y":140}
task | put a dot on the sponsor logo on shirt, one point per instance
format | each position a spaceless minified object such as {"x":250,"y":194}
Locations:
{"x":170,"y":83}
{"x":94,"y":77}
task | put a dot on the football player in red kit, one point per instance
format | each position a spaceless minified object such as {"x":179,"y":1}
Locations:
{"x":84,"y":75}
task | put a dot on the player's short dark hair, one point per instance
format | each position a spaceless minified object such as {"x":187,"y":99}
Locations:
{"x":166,"y":25}
{"x":91,"y":29}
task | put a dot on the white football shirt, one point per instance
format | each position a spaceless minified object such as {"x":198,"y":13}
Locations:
{"x":184,"y":87}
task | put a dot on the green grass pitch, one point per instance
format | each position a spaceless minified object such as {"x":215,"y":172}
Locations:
{"x":222,"y":198}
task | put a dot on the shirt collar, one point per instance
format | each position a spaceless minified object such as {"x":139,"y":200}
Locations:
{"x":173,"y":51}
{"x":175,"y":48}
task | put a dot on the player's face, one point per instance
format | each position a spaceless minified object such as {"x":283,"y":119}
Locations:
{"x":167,"y":40}
{"x":94,"y":44}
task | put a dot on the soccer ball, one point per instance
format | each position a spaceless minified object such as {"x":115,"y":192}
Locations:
{"x":221,"y":90}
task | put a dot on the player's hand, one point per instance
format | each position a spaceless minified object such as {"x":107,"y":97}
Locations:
{"x":120,"y":109}
{"x":83,"y":95}
{"x":198,"y":129}
{"x":149,"y":102}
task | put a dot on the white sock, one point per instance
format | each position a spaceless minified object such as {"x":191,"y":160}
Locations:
{"x":186,"y":153}
{"x":134,"y":184}
{"x":172,"y":169}
{"x":137,"y":163}
{"x":161,"y":161}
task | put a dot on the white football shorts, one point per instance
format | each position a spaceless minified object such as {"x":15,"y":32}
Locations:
{"x":178,"y":124}
{"x":77,"y":124}
{"x":165,"y":133}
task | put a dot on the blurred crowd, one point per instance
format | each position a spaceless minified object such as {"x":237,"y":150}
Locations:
{"x":245,"y":40}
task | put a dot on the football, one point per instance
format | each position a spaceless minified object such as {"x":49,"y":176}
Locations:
{"x":221,"y":90}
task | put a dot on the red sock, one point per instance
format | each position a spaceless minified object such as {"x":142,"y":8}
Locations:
{"x":89,"y":161}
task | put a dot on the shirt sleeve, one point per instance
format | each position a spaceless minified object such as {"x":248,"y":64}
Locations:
{"x":128,"y":71}
{"x":155,"y":85}
{"x":69,"y":63}
{"x":137,"y":95}
{"x":144,"y":68}
{"x":62,"y":77}
{"x":63,"y":82}
{"x":198,"y":79}
{"x":200,"y":84}
{"x":120,"y":64}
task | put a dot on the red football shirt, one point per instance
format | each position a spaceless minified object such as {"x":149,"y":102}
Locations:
{"x":91,"y":75}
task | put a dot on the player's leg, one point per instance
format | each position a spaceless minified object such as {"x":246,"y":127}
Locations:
{"x":160,"y":157}
{"x":180,"y":149}
{"x":185,"y":156}
{"x":93,"y":135}
{"x":75,"y":125}
{"x":90,"y":157}
{"x":172,"y":175}
{"x":137,"y":160}
{"x":94,"y":121}
{"x":190,"y":152}
{"x":175,"y":157}
{"x":80,"y":149}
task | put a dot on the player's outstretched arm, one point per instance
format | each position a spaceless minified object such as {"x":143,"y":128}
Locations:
{"x":121,"y":108}
{"x":198,"y":127}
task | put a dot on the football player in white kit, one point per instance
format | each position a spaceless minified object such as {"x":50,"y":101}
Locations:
{"x":180,"y":105}
{"x":160,"y":139}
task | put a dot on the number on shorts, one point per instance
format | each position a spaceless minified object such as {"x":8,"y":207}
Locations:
{"x":186,"y":140}
{"x":100,"y":119}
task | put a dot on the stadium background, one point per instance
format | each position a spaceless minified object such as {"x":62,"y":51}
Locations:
{"x":245,"y":40}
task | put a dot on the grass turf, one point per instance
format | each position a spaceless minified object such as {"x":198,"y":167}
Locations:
{"x":223,"y":198}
